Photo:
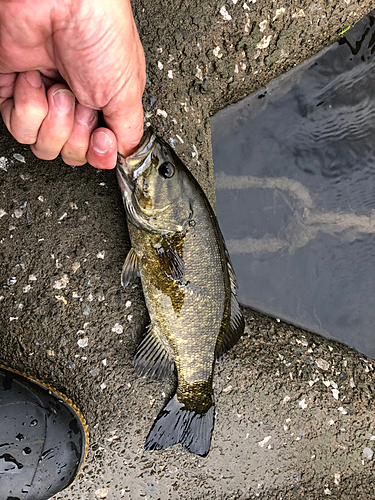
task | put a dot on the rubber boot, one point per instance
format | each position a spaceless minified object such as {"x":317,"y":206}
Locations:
{"x":43,"y":439}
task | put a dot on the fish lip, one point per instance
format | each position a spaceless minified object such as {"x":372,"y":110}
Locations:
{"x":133,"y":165}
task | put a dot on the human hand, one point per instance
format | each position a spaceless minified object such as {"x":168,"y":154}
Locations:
{"x":53,"y":51}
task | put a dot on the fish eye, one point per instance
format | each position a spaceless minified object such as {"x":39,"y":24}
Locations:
{"x":166,"y":170}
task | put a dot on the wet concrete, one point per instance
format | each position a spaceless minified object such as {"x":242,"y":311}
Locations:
{"x":295,"y":412}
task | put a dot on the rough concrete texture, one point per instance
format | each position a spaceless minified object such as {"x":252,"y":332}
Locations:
{"x":295,"y":412}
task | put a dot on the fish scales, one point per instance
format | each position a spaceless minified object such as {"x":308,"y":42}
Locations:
{"x":189,"y":288}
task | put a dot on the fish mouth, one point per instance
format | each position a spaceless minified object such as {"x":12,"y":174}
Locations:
{"x":133,"y":166}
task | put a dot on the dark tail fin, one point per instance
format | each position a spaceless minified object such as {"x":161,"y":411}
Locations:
{"x":176,"y":424}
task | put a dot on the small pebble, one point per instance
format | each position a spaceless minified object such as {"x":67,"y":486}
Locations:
{"x":368,"y":453}
{"x":118,"y":328}
{"x":19,"y":157}
{"x":83,"y":342}
{"x":224,"y":13}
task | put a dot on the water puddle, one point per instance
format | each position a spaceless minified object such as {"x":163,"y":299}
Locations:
{"x":295,"y":185}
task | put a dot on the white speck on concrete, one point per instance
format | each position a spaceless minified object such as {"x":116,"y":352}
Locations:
{"x":101,"y":493}
{"x":40,"y":198}
{"x":335,"y":393}
{"x":331,"y":422}
{"x":286,"y":399}
{"x":228,"y":389}
{"x":179,"y":138}
{"x":322,"y":364}
{"x":224,"y":13}
{"x":302,"y":404}
{"x":26,"y":288}
{"x":368,"y":453}
{"x":73,"y":205}
{"x":118,"y":328}
{"x":170,"y":74}
{"x":300,"y":13}
{"x":75,"y":295}
{"x":83,"y":342}
{"x":128,"y":303}
{"x":32,"y":277}
{"x":104,"y":362}
{"x":75,"y":266}
{"x":278,"y":13}
{"x":2,"y":213}
{"x":217,"y":52}
{"x":342,"y":409}
{"x":351,"y":383}
{"x":162,"y":113}
{"x":160,"y":65}
{"x":333,"y":384}
{"x":265,"y":441}
{"x":264,"y":43}
{"x":199,"y":73}
{"x":234,"y":1}
{"x":19,"y":157}
{"x":61,"y":283}
{"x":337,"y":478}
{"x":327,"y":491}
{"x":18,"y":213}
{"x":327,"y":383}
{"x":129,"y":317}
{"x":63,"y":216}
{"x":262,"y":27}
{"x":3,"y":164}
{"x":103,"y":386}
{"x":100,"y":255}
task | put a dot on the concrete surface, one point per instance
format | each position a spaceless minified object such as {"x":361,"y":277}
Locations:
{"x":295,"y":412}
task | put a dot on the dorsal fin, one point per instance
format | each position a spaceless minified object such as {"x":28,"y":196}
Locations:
{"x":130,"y":269}
{"x":153,"y":358}
{"x":236,"y":323}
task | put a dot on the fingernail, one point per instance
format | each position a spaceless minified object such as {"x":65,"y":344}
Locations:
{"x":84,"y":115}
{"x":34,"y":79}
{"x":64,"y":100}
{"x":101,"y":142}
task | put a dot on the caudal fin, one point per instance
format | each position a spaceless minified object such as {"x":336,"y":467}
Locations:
{"x":176,"y":424}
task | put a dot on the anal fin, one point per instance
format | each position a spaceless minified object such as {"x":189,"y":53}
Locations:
{"x":152,"y":358}
{"x":130,"y":269}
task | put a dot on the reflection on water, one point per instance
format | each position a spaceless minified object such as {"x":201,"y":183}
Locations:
{"x":295,"y":187}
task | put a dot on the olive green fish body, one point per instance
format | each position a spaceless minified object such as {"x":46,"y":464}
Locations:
{"x":189,"y":288}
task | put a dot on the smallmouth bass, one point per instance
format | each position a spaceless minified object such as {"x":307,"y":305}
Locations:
{"x":189,"y":287}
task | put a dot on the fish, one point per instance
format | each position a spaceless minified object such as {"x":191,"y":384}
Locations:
{"x":189,"y":286}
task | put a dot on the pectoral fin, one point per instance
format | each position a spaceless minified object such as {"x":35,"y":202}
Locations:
{"x":236,"y":323}
{"x":130,"y":269}
{"x":152,"y":358}
{"x":169,"y":260}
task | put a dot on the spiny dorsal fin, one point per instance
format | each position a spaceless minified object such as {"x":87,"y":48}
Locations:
{"x":236,"y":323}
{"x":152,"y":358}
{"x":169,"y":259}
{"x":130,"y":269}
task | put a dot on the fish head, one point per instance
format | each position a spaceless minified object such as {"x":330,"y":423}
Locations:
{"x":156,"y":187}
